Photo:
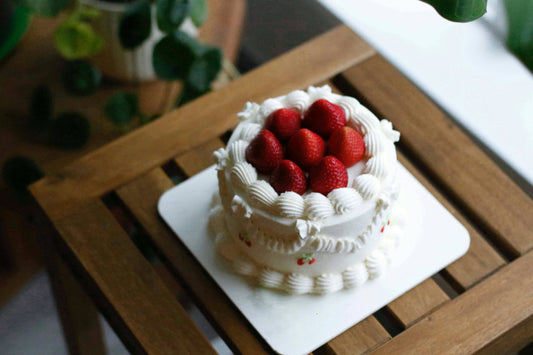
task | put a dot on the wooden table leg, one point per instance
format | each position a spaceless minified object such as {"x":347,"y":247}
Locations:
{"x":7,"y":261}
{"x":78,"y":315}
{"x":7,"y":254}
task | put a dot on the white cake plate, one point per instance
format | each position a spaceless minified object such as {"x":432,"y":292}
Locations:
{"x":300,"y":324}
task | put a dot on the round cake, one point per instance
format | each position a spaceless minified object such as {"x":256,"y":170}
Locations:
{"x":307,"y":191}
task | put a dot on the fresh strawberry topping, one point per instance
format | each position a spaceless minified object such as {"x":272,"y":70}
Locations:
{"x":288,"y":176}
{"x":328,"y":175}
{"x":346,"y":145}
{"x":324,"y":118}
{"x":283,"y":123}
{"x":306,"y":148}
{"x":264,"y":152}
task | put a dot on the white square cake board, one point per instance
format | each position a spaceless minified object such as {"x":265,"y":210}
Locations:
{"x":299,"y":324}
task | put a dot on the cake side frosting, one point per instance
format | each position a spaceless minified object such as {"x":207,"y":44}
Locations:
{"x":352,"y":276}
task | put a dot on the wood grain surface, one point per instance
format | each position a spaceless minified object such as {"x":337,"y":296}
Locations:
{"x":131,"y":291}
{"x":361,"y":338}
{"x":481,"y":303}
{"x":476,"y":319}
{"x":79,"y":317}
{"x":445,"y":152}
{"x":481,"y":259}
{"x":197,"y":122}
{"x":141,"y":197}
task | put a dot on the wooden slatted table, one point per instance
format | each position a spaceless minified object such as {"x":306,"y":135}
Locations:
{"x":481,"y":303}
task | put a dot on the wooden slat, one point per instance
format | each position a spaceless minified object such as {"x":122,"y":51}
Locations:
{"x":196,"y":123}
{"x":199,"y":158}
{"x":481,"y":259}
{"x":478,"y":319}
{"x":417,"y":302}
{"x":141,"y":197}
{"x":479,"y":262}
{"x":361,"y":338}
{"x":451,"y":158}
{"x":79,"y":317}
{"x":137,"y":303}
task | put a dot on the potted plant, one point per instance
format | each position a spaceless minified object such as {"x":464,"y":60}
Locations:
{"x":136,"y":40}
{"x":130,"y":31}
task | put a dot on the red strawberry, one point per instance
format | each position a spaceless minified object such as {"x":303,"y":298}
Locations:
{"x":328,"y":175}
{"x":283,"y":123}
{"x":312,"y":261}
{"x":346,"y":145}
{"x":264,"y":152}
{"x":288,"y":176}
{"x":306,"y":148}
{"x":300,"y":261}
{"x":324,"y":118}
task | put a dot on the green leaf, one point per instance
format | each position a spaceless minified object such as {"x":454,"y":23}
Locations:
{"x":80,"y":77}
{"x":12,"y":30}
{"x":41,"y":108}
{"x":75,"y":39}
{"x":18,"y":173}
{"x":459,"y":10}
{"x":520,"y":37}
{"x":173,"y":57}
{"x":135,"y":24}
{"x":121,"y":108}
{"x":84,"y":13}
{"x":198,"y":12}
{"x":170,"y":14}
{"x":185,"y":39}
{"x":70,"y":130}
{"x":44,"y":7}
{"x":205,"y":69}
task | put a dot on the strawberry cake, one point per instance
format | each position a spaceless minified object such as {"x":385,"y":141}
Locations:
{"x":307,"y":194}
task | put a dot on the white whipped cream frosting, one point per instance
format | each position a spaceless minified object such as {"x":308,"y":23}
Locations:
{"x":262,"y":194}
{"x":249,"y":131}
{"x":295,"y":283}
{"x":240,"y":207}
{"x":237,"y":151}
{"x":290,"y":205}
{"x":318,"y":206}
{"x":367,"y":185}
{"x":344,"y":199}
{"x":320,"y":224}
{"x":298,"y":100}
{"x":243,"y":174}
{"x":378,"y":136}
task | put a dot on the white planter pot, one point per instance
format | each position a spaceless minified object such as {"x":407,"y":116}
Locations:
{"x":117,"y":62}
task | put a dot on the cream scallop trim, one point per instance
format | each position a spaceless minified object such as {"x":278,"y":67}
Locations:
{"x":354,"y":276}
{"x":321,"y":242}
{"x":379,"y":138}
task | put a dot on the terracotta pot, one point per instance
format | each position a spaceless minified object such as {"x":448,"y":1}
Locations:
{"x":117,"y":62}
